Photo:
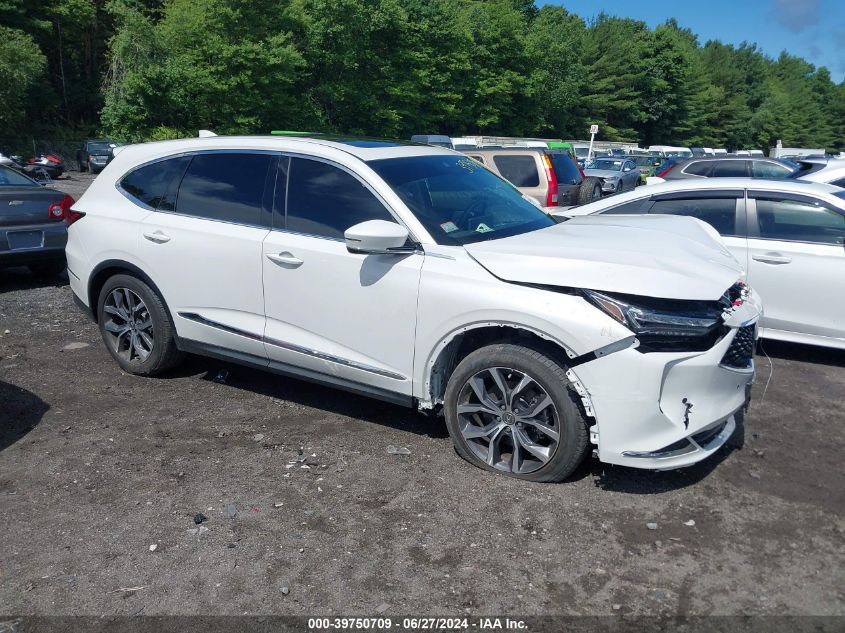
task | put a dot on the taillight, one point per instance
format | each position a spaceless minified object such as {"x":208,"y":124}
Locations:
{"x":551,"y":179}
{"x":61,"y":210}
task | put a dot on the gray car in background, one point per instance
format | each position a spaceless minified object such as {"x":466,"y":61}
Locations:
{"x":727,"y":167}
{"x":33,"y":224}
{"x":616,"y":174}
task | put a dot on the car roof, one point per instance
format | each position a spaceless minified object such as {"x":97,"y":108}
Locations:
{"x":364,"y":149}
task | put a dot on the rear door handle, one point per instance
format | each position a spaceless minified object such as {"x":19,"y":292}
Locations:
{"x":285,"y":259}
{"x":158,"y":237}
{"x":771,"y":258}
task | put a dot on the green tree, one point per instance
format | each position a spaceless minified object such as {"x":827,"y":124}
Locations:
{"x":22,"y":66}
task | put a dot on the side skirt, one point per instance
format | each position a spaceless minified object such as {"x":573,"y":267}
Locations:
{"x":292,"y":371}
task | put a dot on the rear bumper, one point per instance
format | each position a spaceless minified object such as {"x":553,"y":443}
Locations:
{"x":50,"y":248}
{"x":666,"y":410}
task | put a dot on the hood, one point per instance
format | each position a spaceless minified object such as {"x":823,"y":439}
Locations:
{"x":603,"y":173}
{"x":670,"y":257}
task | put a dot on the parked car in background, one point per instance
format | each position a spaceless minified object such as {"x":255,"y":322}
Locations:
{"x":616,"y":174}
{"x":725,"y":167}
{"x":438,"y":140}
{"x":647,"y":164}
{"x":33,"y":223}
{"x":786,"y":233}
{"x":94,"y":154}
{"x":668,"y":151}
{"x":539,"y":341}
{"x":829,"y":171}
{"x":549,"y":176}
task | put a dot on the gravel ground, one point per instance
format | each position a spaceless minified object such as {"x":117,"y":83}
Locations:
{"x":101,"y":474}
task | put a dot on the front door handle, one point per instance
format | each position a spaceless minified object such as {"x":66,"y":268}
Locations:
{"x":158,"y":237}
{"x":771,"y":258}
{"x":285,"y":259}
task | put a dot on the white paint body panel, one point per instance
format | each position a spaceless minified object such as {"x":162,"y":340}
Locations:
{"x":382,"y":320}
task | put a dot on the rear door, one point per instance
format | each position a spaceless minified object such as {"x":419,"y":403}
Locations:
{"x":523,"y":172}
{"x":724,"y":210}
{"x":797,"y":263}
{"x":202,"y":247}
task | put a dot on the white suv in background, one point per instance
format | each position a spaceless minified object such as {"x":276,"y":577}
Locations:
{"x":413,"y":274}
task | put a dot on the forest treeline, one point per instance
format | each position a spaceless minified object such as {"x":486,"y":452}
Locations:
{"x":150,"y":69}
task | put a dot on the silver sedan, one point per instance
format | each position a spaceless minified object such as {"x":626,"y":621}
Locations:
{"x":616,"y":174}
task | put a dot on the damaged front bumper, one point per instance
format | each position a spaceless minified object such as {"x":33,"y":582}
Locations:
{"x":666,"y":410}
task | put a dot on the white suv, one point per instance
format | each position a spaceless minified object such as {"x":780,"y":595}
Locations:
{"x":411,"y":273}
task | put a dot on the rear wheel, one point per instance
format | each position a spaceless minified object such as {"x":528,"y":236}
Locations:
{"x":136,"y":327}
{"x":511,"y":409}
{"x":589,"y":191}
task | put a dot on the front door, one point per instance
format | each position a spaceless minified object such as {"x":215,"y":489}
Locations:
{"x":349,"y":318}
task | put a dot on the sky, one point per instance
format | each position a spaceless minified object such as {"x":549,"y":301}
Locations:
{"x":812,"y":29}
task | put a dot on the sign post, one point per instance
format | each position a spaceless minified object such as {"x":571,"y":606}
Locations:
{"x":594,"y":129}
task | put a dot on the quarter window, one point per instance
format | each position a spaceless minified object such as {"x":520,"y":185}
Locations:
{"x":150,"y":184}
{"x":324,"y":200}
{"x":699,"y":168}
{"x":228,"y":187}
{"x":520,"y":171}
{"x":839,"y":183}
{"x":635,"y":206}
{"x":720,"y":213}
{"x":799,"y":221}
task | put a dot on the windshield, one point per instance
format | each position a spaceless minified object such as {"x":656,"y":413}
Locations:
{"x":607,"y":164}
{"x":581,"y":152}
{"x":645,"y":161}
{"x":102,"y":147}
{"x":458,"y":200}
{"x":11,"y":178}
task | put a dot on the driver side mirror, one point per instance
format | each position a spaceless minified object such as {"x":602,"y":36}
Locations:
{"x":377,"y":237}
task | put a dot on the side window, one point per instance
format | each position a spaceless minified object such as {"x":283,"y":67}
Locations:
{"x":799,"y":221}
{"x":477,"y":157}
{"x":521,"y":171}
{"x":228,"y":187}
{"x":324,"y":200}
{"x":699,"y":168}
{"x":765,"y":169}
{"x":729,"y":168}
{"x":720,"y":213}
{"x":839,"y":183}
{"x":635,"y":206}
{"x":151,"y":184}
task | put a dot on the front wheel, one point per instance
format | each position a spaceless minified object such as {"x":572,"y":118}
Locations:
{"x":511,"y":409}
{"x":136,"y":327}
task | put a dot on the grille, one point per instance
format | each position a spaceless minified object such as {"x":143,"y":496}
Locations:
{"x":741,"y":351}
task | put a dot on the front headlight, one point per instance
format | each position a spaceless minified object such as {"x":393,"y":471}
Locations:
{"x":663,"y":323}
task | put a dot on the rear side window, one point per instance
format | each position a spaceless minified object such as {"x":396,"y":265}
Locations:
{"x":565,"y":169}
{"x":765,"y":169}
{"x":521,"y":171}
{"x":839,"y":183}
{"x":729,"y":168}
{"x":799,"y":221}
{"x":699,"y":168}
{"x":720,"y":213}
{"x":324,"y":200}
{"x":149,"y":184}
{"x":225,"y":187}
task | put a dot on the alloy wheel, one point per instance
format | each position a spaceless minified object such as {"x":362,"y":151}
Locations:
{"x":508,"y":420}
{"x":129,"y":325}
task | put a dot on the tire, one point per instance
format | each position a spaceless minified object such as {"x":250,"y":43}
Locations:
{"x":50,"y":268}
{"x":589,"y":191}
{"x":140,"y":349}
{"x":514,"y":363}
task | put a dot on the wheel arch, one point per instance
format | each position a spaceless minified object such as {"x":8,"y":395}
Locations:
{"x":458,"y":344}
{"x":109,"y":268}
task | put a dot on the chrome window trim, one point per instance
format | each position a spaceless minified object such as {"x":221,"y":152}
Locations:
{"x":197,"y":318}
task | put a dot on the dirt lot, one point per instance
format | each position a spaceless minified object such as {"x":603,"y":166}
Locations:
{"x":97,"y":466}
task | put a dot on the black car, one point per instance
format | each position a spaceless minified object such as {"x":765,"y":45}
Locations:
{"x":94,"y":154}
{"x":724,"y":167}
{"x":33,"y":224}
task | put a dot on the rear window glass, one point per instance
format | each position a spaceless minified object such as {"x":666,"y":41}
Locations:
{"x":149,"y":184}
{"x":225,"y":187}
{"x":521,"y":171}
{"x":11,"y":178}
{"x":719,"y":213}
{"x":699,"y":168}
{"x":565,"y":169}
